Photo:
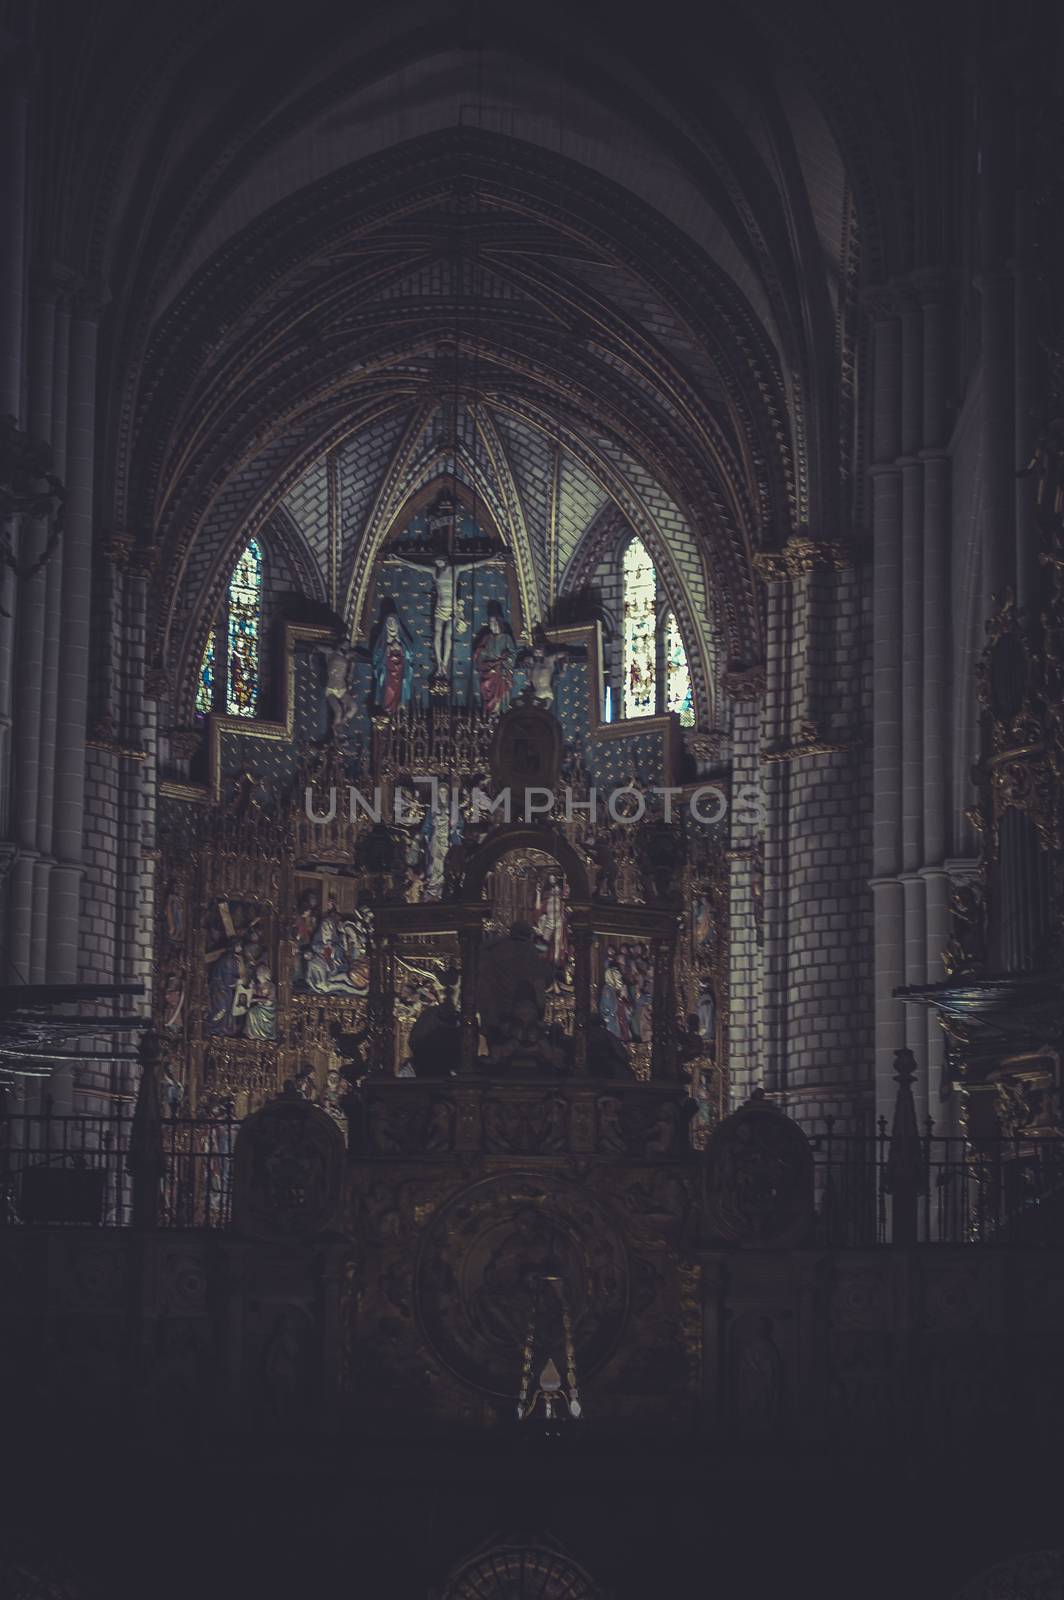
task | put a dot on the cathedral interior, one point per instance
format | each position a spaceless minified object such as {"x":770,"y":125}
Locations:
{"x":531,"y":800}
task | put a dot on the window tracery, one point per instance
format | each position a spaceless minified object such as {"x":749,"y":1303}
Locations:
{"x":245,"y":626}
{"x":655,"y":669}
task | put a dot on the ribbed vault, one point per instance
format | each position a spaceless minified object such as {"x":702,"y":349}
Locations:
{"x":602,"y":306}
{"x":402,"y":306}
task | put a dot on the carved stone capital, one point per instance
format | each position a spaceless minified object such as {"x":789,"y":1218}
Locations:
{"x":800,"y":556}
{"x":744,"y":683}
{"x":771,"y":565}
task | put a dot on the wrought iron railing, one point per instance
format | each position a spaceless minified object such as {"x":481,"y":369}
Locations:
{"x":951,"y":1190}
{"x":66,"y":1170}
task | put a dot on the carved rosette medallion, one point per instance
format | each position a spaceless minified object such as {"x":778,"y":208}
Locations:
{"x":478,"y":1265}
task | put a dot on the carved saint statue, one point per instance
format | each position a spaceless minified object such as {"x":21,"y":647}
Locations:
{"x":393,"y":663}
{"x":445,"y":579}
{"x":441,"y":831}
{"x":340,"y":699}
{"x":542,"y":664}
{"x":494,"y":653}
{"x":262,"y":1005}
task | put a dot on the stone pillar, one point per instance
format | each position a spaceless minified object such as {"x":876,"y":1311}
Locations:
{"x":775,"y":734}
{"x":141,"y":731}
{"x":912,"y":652}
{"x":747,"y":838}
{"x":1024,"y":340}
{"x":995,"y":205}
{"x":888,"y":904}
{"x":69,"y":808}
{"x":816,"y":959}
{"x":52,"y":646}
{"x":14,"y":112}
{"x":27,"y":962}
{"x":929,"y":1047}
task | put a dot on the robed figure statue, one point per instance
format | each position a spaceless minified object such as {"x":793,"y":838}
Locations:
{"x":393,"y":661}
{"x":494,"y":654}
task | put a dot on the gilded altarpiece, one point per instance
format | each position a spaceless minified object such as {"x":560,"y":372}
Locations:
{"x":444,"y":900}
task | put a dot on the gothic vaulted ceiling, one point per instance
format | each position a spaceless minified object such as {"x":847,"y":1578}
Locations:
{"x":608,"y":281}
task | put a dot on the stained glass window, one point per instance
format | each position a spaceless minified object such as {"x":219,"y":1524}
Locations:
{"x":678,"y":696}
{"x":205,"y":686}
{"x":656,"y":672}
{"x":245,"y":627}
{"x":639,"y":662}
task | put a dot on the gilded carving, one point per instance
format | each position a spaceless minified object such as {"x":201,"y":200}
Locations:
{"x":493,"y":1239}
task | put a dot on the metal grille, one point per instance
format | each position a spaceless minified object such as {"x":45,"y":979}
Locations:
{"x":993,"y":1191}
{"x":70,"y":1170}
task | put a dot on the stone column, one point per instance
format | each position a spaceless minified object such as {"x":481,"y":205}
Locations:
{"x":14,"y":110}
{"x":1024,"y":350}
{"x":53,"y":647}
{"x":745,"y":690}
{"x":816,"y":846}
{"x":995,"y":205}
{"x":912,"y":654}
{"x":136,"y":792}
{"x":888,"y":901}
{"x":775,"y":734}
{"x":929,"y":1049}
{"x":69,"y":808}
{"x":29,"y":662}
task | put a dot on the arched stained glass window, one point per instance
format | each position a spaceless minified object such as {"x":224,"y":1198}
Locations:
{"x":639,"y":664}
{"x":229,"y":679}
{"x":245,"y":628}
{"x":678,"y":695}
{"x":655,"y":668}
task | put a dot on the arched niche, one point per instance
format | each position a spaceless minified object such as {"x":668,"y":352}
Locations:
{"x":520,"y":836}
